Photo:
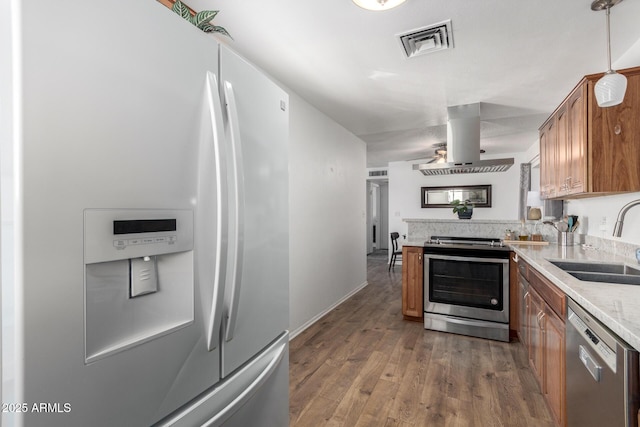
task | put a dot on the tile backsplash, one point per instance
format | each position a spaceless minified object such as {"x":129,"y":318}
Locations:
{"x":423,"y":229}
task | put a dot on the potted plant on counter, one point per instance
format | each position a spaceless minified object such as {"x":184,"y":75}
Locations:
{"x":463,"y":209}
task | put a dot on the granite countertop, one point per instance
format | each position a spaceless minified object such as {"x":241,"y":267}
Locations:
{"x":615,"y":305}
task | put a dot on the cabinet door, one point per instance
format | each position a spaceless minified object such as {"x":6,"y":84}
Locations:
{"x":547,"y":159}
{"x":561,"y":147}
{"x":412,"y":282}
{"x":514,"y":301}
{"x":523,"y":305}
{"x":535,"y":312}
{"x":577,"y":141}
{"x":553,"y":331}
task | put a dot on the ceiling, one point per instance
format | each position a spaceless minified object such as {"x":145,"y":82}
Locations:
{"x":518,"y":59}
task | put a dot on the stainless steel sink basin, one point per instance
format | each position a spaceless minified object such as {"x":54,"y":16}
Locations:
{"x":601,"y":272}
{"x":625,"y":279}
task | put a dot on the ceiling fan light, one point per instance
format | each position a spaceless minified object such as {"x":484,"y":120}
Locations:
{"x":610,"y":89}
{"x":378,"y":4}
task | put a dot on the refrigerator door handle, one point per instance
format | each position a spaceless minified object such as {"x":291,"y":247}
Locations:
{"x":237,"y":233}
{"x":221,"y":224}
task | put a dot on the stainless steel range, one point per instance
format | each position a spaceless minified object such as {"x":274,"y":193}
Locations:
{"x":466,"y":286}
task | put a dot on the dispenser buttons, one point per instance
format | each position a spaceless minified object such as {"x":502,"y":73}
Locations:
{"x":123,"y":243}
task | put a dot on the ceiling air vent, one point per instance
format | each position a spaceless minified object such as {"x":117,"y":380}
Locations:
{"x":378,"y":173}
{"x":427,"y":39}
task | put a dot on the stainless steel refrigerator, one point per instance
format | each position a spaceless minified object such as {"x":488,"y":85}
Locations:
{"x":144,"y":222}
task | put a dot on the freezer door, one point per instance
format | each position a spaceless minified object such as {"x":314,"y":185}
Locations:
{"x":256,"y":395}
{"x":257,"y":284}
{"x":110,"y":118}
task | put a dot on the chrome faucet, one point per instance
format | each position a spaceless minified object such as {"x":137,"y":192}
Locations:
{"x":617,"y":229}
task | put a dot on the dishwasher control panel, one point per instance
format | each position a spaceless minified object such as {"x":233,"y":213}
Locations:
{"x":603,"y":350}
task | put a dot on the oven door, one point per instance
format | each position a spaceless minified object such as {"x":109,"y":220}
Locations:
{"x":467,"y":286}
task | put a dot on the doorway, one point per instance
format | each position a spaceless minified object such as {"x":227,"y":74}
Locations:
{"x":377,"y":215}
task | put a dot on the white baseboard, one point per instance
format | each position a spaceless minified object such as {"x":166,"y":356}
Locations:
{"x":314,"y":319}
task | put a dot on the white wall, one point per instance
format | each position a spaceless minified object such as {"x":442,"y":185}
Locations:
{"x":327,"y":208}
{"x":405,"y":184}
{"x":383,"y":222}
{"x":598,"y":216}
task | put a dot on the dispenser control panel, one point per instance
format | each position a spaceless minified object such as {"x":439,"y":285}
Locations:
{"x":112,"y":234}
{"x":158,"y":227}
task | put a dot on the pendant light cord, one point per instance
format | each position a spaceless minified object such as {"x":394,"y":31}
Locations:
{"x":608,"y":40}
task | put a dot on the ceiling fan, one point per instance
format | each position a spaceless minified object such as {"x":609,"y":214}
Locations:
{"x":440,"y":153}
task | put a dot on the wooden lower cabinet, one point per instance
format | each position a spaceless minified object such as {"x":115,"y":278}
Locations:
{"x":514,"y":303}
{"x":542,"y":331}
{"x":536,"y":340}
{"x":412,"y":283}
{"x":554,"y":359}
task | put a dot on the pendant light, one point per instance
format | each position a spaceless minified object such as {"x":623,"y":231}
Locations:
{"x":378,"y":4}
{"x":610,"y":89}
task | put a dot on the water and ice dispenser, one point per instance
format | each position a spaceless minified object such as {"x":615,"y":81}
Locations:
{"x":139,"y":279}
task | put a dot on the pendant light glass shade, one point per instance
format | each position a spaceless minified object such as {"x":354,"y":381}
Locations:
{"x":610,"y":89}
{"x":378,"y":4}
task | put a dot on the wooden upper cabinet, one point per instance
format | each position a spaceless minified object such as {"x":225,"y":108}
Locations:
{"x":587,"y":150}
{"x":562,"y":153}
{"x":548,"y":159}
{"x":576,"y":179}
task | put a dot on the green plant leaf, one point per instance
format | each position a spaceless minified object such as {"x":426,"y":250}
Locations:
{"x":204,"y":17}
{"x":208,"y":28}
{"x":182,"y":10}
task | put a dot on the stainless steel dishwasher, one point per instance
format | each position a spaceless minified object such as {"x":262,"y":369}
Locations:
{"x":601,"y":374}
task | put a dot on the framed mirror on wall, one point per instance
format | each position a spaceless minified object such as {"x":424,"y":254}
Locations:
{"x":441,"y":197}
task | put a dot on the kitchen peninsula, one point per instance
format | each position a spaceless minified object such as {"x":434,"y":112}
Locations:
{"x":615,"y":305}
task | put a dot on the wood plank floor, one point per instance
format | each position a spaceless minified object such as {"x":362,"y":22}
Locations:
{"x":362,"y":365}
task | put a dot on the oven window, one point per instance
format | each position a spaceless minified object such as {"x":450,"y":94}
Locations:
{"x":467,"y":283}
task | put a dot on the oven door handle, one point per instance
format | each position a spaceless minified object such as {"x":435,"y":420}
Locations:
{"x":472,"y":322}
{"x":467,"y":258}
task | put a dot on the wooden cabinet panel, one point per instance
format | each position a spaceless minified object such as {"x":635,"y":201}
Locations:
{"x":523,"y":306}
{"x":534,"y":313}
{"x":412,"y":283}
{"x":548,"y":159}
{"x":577,"y":141}
{"x":553,"y":296}
{"x":615,"y":140}
{"x":554,"y":359}
{"x":514,"y":302}
{"x":586,"y":150}
{"x":562,"y":142}
{"x":543,"y":334}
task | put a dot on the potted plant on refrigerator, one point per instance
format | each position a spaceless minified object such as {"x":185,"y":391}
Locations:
{"x":463,"y":209}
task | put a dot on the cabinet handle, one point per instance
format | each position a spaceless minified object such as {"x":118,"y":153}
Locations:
{"x":515,"y":258}
{"x":540,"y":320}
{"x":526,"y":300}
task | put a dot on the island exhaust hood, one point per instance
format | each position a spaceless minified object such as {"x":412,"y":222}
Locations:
{"x":463,"y":146}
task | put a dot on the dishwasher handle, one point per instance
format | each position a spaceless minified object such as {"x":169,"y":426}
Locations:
{"x":589,"y":362}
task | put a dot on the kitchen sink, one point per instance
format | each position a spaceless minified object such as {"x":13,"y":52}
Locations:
{"x":601,"y":272}
{"x":625,"y":279}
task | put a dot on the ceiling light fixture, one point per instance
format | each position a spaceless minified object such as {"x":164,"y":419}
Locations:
{"x":610,"y":89}
{"x":378,"y":4}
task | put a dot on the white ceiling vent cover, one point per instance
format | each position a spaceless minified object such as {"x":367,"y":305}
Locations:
{"x":427,"y":39}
